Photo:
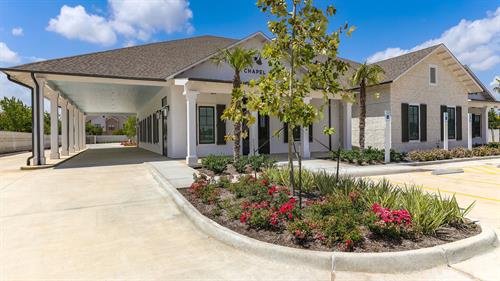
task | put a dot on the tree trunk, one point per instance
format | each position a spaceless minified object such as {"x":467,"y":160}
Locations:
{"x":362,"y":114}
{"x":292,"y":77}
{"x":290,"y":159}
{"x":237,"y":125}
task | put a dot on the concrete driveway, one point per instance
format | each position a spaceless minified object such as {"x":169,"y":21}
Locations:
{"x":102,"y":216}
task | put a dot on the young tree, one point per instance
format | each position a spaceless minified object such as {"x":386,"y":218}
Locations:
{"x":365,"y":76}
{"x":302,"y":57}
{"x":14,"y":115}
{"x":238,"y":59}
{"x":130,"y":127}
{"x":497,"y":87}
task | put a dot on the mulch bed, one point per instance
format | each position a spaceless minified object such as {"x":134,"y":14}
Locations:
{"x":371,"y":242}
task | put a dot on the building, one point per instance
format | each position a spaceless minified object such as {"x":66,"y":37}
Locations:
{"x":108,"y":123}
{"x":178,"y":95}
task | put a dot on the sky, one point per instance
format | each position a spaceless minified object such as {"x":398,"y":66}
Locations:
{"x":36,"y":30}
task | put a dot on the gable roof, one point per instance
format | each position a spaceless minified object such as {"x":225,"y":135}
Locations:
{"x":155,"y":61}
{"x":396,"y":66}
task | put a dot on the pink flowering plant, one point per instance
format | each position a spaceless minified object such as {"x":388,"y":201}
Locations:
{"x":393,"y":223}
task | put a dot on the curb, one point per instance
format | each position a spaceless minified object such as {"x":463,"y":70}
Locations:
{"x":39,"y":167}
{"x":453,"y":160}
{"x":388,"y":262}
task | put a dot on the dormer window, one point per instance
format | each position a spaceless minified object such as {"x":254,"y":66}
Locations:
{"x":433,"y":75}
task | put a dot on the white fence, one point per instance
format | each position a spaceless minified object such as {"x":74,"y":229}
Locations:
{"x":16,"y":141}
{"x":106,"y":138}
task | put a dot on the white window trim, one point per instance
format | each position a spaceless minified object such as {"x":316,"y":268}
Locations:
{"x":436,"y":71}
{"x":455,"y":107}
{"x":198,"y":124}
{"x":419,"y":124}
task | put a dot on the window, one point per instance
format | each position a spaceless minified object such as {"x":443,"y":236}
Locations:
{"x":206,"y":127}
{"x":451,"y":123}
{"x":413,"y":122}
{"x":111,"y":127}
{"x":296,"y":132}
{"x":433,"y":75}
{"x":476,"y":125}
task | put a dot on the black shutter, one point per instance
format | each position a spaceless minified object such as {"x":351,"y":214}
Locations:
{"x":310,"y":133}
{"x":221,"y":124}
{"x":444,"y":108}
{"x":404,"y":123}
{"x":285,"y":132}
{"x":458,"y":120}
{"x":423,"y":122}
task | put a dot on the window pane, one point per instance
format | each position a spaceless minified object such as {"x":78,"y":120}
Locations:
{"x":476,"y":125}
{"x":413,"y":126}
{"x":451,"y":122}
{"x":433,"y":75}
{"x":206,"y":124}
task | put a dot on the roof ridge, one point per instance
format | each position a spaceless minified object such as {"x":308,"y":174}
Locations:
{"x":123,"y":48}
{"x":409,"y":53}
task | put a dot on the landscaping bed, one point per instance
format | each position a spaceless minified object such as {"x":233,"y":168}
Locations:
{"x":369,"y":156}
{"x":351,"y":215}
{"x":491,"y":149}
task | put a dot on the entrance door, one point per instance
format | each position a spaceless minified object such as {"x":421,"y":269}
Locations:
{"x":264,"y":134}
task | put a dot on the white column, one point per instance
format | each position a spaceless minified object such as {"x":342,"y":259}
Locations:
{"x":38,"y":135}
{"x":347,"y":125}
{"x":76,"y":128}
{"x":71,"y":128}
{"x":81,"y":126}
{"x":387,"y":137}
{"x":304,"y":137}
{"x":191,"y":158}
{"x":469,"y":131}
{"x":84,"y":135}
{"x":445,"y":130}
{"x":54,"y":130}
{"x":484,"y":124}
{"x":64,"y":127}
{"x":254,"y":134}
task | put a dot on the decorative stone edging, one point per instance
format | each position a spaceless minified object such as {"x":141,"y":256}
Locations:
{"x":388,"y":262}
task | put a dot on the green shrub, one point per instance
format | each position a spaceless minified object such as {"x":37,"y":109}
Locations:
{"x":369,"y":155}
{"x":494,"y":145}
{"x":485,"y":151}
{"x":250,"y":188}
{"x":258,"y":163}
{"x":460,"y":152}
{"x":216,"y":163}
{"x":429,"y":155}
{"x":281,"y":176}
{"x":204,"y":190}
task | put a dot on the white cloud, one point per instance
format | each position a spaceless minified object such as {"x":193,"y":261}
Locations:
{"x":135,"y":20}
{"x":75,"y":23}
{"x":17,"y":31}
{"x":7,"y":55}
{"x":475,"y":43}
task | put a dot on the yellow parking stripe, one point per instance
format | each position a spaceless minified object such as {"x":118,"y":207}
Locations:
{"x":470,"y":180}
{"x":453,"y":192}
{"x":493,"y":169}
{"x":479,"y":171}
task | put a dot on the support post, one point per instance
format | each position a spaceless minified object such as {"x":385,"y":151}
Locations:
{"x":71,"y":128}
{"x":76,"y":128}
{"x":445,"y":130}
{"x":38,"y":134}
{"x":64,"y":127}
{"x":347,"y":125}
{"x":469,"y":131}
{"x":84,"y":135}
{"x":81,"y":126}
{"x":387,"y":137}
{"x":191,"y":96}
{"x":54,"y":128}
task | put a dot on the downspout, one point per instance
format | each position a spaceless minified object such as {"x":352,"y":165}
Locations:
{"x":32,"y":116}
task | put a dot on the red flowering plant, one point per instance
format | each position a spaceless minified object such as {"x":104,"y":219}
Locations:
{"x":393,"y":223}
{"x":204,"y":189}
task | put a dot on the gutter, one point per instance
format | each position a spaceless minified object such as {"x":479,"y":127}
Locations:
{"x":32,"y":116}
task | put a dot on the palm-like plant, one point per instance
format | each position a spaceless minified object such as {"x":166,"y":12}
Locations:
{"x":365,"y":76}
{"x":238,"y":59}
{"x":497,"y":87}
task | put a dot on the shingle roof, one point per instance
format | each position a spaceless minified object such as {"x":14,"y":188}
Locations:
{"x":154,"y":61}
